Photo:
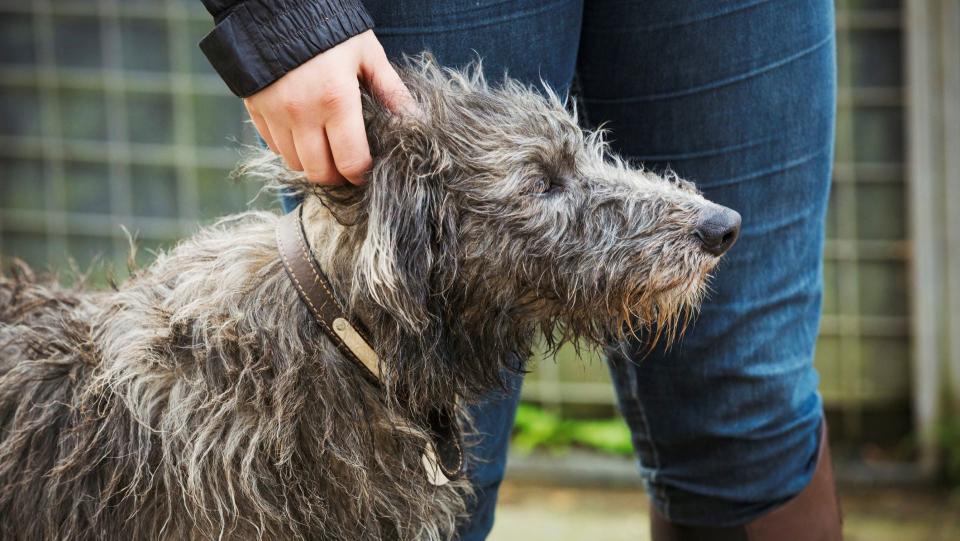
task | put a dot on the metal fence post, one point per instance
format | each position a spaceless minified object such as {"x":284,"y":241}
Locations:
{"x":932,"y":152}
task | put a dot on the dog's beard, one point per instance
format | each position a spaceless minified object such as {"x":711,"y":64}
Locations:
{"x":662,"y":316}
{"x":631,"y":310}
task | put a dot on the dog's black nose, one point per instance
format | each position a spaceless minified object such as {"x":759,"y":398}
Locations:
{"x":718,"y":229}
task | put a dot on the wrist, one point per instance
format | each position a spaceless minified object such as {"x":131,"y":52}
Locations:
{"x":259,"y":41}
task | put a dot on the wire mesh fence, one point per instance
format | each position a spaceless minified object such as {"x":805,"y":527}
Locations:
{"x":111,"y":116}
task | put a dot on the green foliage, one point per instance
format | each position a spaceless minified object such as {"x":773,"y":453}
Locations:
{"x":536,"y":429}
{"x":950,"y":442}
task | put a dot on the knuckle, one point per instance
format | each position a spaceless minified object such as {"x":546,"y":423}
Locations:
{"x":375,"y":51}
{"x":314,"y":175}
{"x":321,"y":177}
{"x":355,"y":166}
{"x":294,"y":108}
{"x":293,"y":164}
{"x":332,"y":100}
{"x":317,"y":172}
{"x":338,"y":94}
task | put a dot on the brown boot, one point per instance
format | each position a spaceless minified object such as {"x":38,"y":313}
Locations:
{"x":812,"y":515}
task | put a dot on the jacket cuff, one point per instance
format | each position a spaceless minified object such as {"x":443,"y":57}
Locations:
{"x":259,"y":41}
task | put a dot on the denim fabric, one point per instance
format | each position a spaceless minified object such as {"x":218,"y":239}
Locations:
{"x":738,"y":96}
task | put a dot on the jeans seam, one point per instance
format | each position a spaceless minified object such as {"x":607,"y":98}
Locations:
{"x":661,"y":493}
{"x":459,"y":26}
{"x":775,"y":170}
{"x":689,"y":20}
{"x":705,"y":153}
{"x":719,"y":83}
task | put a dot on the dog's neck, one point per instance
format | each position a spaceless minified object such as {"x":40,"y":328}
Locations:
{"x":324,"y":235}
{"x":469,"y":352}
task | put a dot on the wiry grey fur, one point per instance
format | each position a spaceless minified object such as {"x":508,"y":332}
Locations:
{"x":199,"y":400}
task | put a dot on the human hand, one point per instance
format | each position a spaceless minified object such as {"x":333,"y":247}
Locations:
{"x":312,"y":116}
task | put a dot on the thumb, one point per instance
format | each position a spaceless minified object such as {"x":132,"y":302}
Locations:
{"x":384,"y":82}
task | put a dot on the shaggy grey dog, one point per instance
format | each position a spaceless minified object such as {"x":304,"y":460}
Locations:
{"x":200,"y":400}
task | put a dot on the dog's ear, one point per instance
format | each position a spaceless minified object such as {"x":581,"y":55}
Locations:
{"x":407,"y":250}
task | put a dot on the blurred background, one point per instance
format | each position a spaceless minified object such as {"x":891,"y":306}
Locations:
{"x":110,"y":116}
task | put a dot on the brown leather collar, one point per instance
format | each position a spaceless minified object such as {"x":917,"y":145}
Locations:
{"x":315,"y":291}
{"x":444,"y":459}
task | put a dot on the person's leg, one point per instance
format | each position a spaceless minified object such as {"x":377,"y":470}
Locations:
{"x":533,"y":42}
{"x":738,"y":97}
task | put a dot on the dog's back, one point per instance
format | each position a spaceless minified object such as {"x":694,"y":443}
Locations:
{"x":44,"y":339}
{"x":196,"y":401}
{"x":53,"y":470}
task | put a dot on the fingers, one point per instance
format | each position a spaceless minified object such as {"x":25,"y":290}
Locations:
{"x":313,"y":115}
{"x":326,"y":140}
{"x":348,"y":137}
{"x":261,"y":124}
{"x":283,"y":137}
{"x":386,"y":84}
{"x":313,"y":149}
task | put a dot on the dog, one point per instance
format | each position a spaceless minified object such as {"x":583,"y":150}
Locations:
{"x":200,"y":399}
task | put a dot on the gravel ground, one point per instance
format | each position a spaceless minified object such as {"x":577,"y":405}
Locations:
{"x":530,"y":512}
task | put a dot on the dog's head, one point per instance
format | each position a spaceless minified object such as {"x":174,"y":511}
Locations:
{"x":492,"y":212}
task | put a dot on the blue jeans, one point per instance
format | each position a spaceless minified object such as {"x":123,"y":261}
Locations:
{"x":739,"y":97}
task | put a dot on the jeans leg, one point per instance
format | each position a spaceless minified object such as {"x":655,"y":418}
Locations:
{"x":533,"y":42}
{"x":738,"y":97}
{"x":493,"y":421}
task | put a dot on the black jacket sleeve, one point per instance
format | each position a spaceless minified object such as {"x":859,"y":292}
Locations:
{"x":255,"y":42}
